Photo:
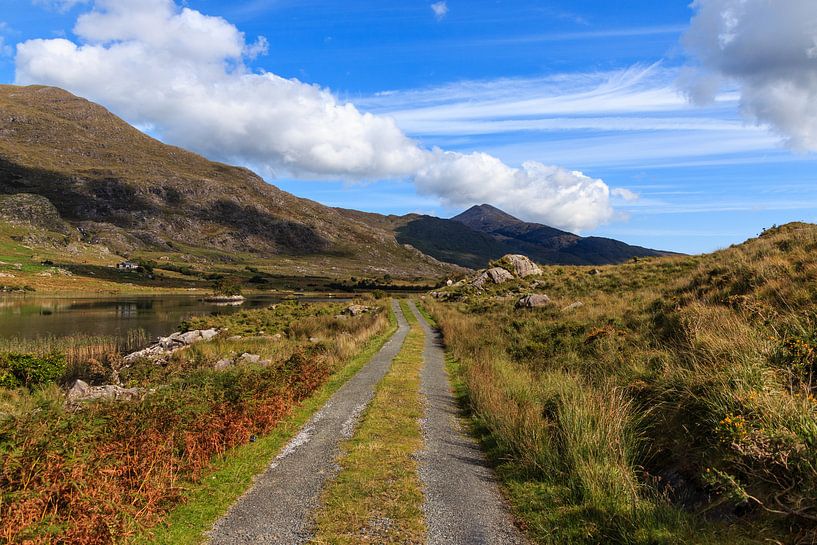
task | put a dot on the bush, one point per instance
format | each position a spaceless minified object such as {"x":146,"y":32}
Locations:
{"x":227,"y":287}
{"x":27,"y":370}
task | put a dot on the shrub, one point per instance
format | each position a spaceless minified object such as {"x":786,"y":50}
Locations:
{"x":29,"y":370}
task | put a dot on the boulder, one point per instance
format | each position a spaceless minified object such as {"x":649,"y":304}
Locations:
{"x":573,"y":306}
{"x":81,"y":391}
{"x":356,"y":310}
{"x":167,"y":345}
{"x":78,"y":390}
{"x":246,"y":357}
{"x":522,"y":265}
{"x":533,"y":301}
{"x":496,"y":275}
{"x":223,"y":364}
{"x":593,"y":272}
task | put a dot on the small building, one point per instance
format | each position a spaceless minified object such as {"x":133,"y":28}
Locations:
{"x":127,"y":266}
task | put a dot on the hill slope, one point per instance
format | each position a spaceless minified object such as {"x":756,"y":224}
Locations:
{"x":483,"y":233}
{"x":668,"y":397}
{"x":131,"y":193}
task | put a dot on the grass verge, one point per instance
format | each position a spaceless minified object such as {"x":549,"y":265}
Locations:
{"x":234,"y":472}
{"x":377,"y":496}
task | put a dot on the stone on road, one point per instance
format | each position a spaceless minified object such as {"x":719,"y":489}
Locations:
{"x":463,"y":505}
{"x":278,"y":508}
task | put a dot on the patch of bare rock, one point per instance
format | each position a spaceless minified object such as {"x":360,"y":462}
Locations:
{"x":496,"y":275}
{"x":536,"y":300}
{"x":165,"y":346}
{"x":509,"y":267}
{"x":522,"y":265}
{"x":82,"y":391}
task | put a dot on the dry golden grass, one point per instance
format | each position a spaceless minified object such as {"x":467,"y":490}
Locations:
{"x":677,"y":405}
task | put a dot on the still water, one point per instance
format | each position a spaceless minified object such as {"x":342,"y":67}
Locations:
{"x":35,"y":316}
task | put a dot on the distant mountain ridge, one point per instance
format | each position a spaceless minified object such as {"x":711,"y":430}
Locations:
{"x":484,"y":232}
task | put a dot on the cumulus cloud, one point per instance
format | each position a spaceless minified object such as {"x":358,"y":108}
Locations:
{"x":440,"y":9}
{"x":769,"y":48}
{"x":567,"y":199}
{"x":183,"y":73}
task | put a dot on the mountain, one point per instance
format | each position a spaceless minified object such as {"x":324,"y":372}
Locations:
{"x":554,"y":246}
{"x":483,"y":233}
{"x":119,"y":188}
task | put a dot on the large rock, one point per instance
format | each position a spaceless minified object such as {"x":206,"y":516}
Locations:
{"x":496,"y":275}
{"x":356,"y":310}
{"x":522,"y":265}
{"x":573,"y":306}
{"x":167,"y":345}
{"x":81,"y":391}
{"x":533,"y":301}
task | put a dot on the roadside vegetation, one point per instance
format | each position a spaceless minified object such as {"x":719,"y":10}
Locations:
{"x":105,"y":471}
{"x":377,"y":497}
{"x":676,"y":404}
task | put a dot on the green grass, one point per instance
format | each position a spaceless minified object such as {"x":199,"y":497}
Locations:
{"x":234,"y":472}
{"x":377,"y":496}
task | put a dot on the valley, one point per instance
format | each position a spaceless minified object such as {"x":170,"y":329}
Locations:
{"x":376,"y":378}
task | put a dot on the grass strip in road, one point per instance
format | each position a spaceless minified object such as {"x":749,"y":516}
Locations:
{"x":234,"y":473}
{"x":377,"y":496}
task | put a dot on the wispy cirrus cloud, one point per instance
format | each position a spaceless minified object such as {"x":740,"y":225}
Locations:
{"x":634,"y":117}
{"x":59,"y":5}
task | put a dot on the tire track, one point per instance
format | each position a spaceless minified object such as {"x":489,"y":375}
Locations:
{"x":463,"y":505}
{"x":278,"y":508}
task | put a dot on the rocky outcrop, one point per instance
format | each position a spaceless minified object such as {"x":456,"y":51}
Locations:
{"x":496,"y":275}
{"x":573,"y":306}
{"x":356,"y":310}
{"x":522,"y":266}
{"x":167,"y":345}
{"x":533,"y":301}
{"x":82,"y":391}
{"x":244,"y":359}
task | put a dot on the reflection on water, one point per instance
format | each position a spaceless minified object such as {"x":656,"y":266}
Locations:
{"x":35,"y":316}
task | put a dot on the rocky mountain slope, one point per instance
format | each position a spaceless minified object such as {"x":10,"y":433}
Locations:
{"x":121,"y":189}
{"x":483,"y":233}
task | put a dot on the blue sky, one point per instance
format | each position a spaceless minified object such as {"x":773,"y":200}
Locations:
{"x":590,"y":86}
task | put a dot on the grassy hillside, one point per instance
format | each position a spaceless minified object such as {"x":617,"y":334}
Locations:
{"x":117,"y":188}
{"x":675,"y":405}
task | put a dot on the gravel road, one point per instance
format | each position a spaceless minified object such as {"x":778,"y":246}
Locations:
{"x":463,"y":505}
{"x":278,"y":507}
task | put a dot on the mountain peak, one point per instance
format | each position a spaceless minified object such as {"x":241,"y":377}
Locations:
{"x":486,"y":218}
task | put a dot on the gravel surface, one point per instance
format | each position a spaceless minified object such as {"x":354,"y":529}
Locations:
{"x":278,"y":508}
{"x":463,"y":505}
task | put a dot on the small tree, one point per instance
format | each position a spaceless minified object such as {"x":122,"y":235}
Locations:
{"x":226,"y":287}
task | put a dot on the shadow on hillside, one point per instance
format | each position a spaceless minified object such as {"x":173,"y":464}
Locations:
{"x":160,"y":212}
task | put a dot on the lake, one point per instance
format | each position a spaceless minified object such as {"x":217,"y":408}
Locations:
{"x":34,"y":316}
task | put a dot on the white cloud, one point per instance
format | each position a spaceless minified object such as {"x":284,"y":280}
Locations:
{"x":637,"y":98}
{"x":568,"y":199}
{"x":626,"y":194}
{"x":770,"y":49}
{"x":440,"y":9}
{"x":183,"y":73}
{"x":59,"y":5}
